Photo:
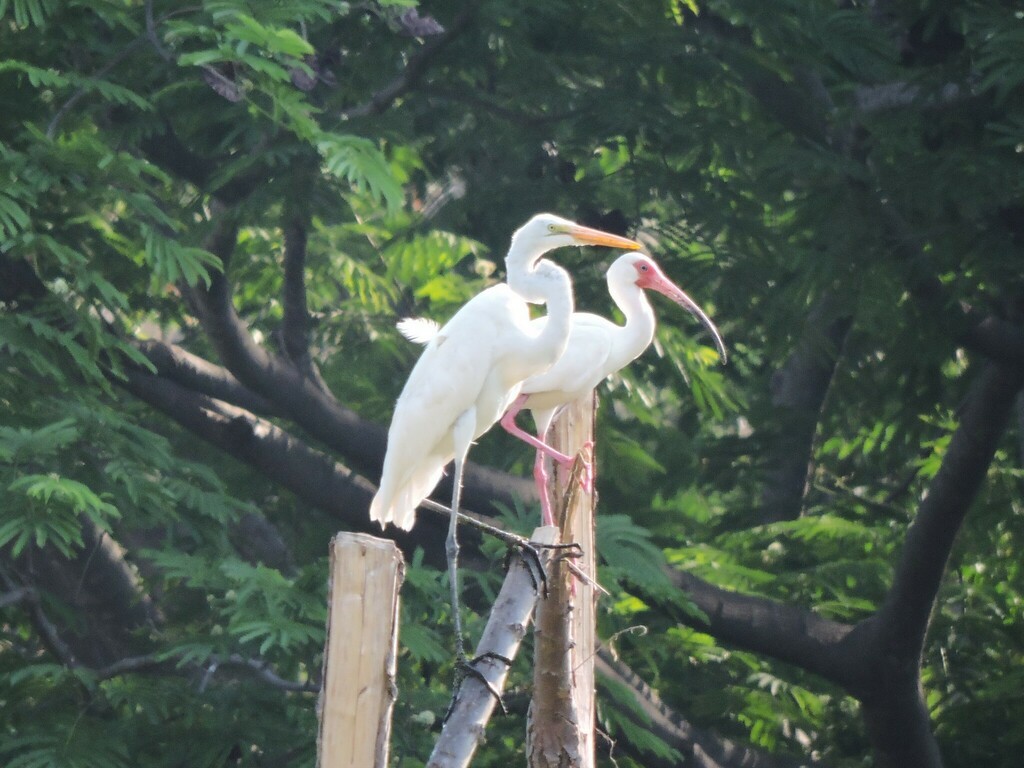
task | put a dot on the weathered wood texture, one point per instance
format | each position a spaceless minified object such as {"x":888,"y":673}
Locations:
{"x":359,"y":660}
{"x":560,"y":728}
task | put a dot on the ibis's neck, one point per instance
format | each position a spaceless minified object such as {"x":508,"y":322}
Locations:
{"x":636,"y":335}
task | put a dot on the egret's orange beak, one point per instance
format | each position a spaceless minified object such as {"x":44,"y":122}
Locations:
{"x":588,"y":236}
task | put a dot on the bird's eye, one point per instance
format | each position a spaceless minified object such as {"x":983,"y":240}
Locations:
{"x":551,"y":227}
{"x":643,"y":267}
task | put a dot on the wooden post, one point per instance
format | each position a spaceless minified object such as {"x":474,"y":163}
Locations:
{"x":560,"y":727}
{"x":359,"y":657}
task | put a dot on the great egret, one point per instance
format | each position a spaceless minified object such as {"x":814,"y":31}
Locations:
{"x":596,"y":349}
{"x":473,"y":369}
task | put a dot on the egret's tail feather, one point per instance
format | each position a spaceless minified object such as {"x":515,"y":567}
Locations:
{"x":398,"y":505}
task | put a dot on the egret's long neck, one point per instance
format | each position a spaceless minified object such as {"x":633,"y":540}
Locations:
{"x":554,"y":284}
{"x":521,"y":264}
{"x":543,"y":282}
{"x":638,"y":332}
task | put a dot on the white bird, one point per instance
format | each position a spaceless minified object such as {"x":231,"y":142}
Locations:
{"x":596,"y":349}
{"x":472,"y":370}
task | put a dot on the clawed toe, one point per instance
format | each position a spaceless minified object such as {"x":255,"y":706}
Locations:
{"x":465,"y":668}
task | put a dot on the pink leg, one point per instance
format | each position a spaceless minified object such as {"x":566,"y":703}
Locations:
{"x":540,"y":476}
{"x":508,"y":421}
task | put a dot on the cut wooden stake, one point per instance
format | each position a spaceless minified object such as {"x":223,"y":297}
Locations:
{"x":560,"y":727}
{"x":359,"y":658}
{"x":506,"y":626}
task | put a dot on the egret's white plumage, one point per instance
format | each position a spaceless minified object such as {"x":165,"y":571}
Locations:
{"x":473,"y":367}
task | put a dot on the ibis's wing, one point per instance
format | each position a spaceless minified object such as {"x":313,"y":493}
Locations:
{"x":581,"y":367}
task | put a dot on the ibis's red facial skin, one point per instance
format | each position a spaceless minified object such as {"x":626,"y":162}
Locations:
{"x":650,"y":276}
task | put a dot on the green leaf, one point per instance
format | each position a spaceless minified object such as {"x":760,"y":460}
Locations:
{"x":361,"y":163}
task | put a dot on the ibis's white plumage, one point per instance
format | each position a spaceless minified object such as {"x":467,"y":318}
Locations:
{"x":596,"y":349}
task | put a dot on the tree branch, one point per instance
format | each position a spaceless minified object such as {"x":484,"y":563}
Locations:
{"x":295,"y":330}
{"x":799,"y":388}
{"x":792,"y":106}
{"x":899,"y":95}
{"x":780,"y":630}
{"x":311,"y":475}
{"x":475,"y":99}
{"x":19,"y":281}
{"x":905,"y":613}
{"x":414,"y":69}
{"x":97,"y":582}
{"x":16,"y":595}
{"x":306,"y":472}
{"x":706,"y":750}
{"x":168,"y":664}
{"x":47,"y":631}
{"x":1000,"y":340}
{"x":198,"y":374}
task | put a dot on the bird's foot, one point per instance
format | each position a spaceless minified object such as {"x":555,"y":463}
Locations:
{"x":464,"y":667}
{"x":585,"y":456}
{"x":528,"y":551}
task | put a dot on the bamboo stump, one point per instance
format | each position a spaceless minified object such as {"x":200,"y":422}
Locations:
{"x":560,"y":727}
{"x":359,"y":689}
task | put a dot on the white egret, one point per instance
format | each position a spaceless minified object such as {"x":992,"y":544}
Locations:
{"x":596,"y":349}
{"x":473,"y":369}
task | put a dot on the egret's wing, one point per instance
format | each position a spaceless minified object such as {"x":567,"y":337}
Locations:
{"x":418,"y":330}
{"x":447,"y":379}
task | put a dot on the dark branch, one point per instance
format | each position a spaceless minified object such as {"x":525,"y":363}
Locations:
{"x":98,"y":583}
{"x":414,"y":68}
{"x":785,"y":632}
{"x":168,"y":664}
{"x":73,"y":99}
{"x":794,"y":107}
{"x":151,"y":34}
{"x":706,"y":750}
{"x":19,"y":281}
{"x":799,"y":388}
{"x":296,"y":315}
{"x":295,"y":331}
{"x":169,"y":152}
{"x":47,"y":631}
{"x":518,"y":117}
{"x":196,"y":373}
{"x":983,"y":418}
{"x":999,"y":340}
{"x":311,"y":475}
{"x":16,"y":595}
{"x":899,"y":95}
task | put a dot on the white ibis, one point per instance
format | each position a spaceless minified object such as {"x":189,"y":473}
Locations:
{"x":597,"y":348}
{"x":472,"y":370}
